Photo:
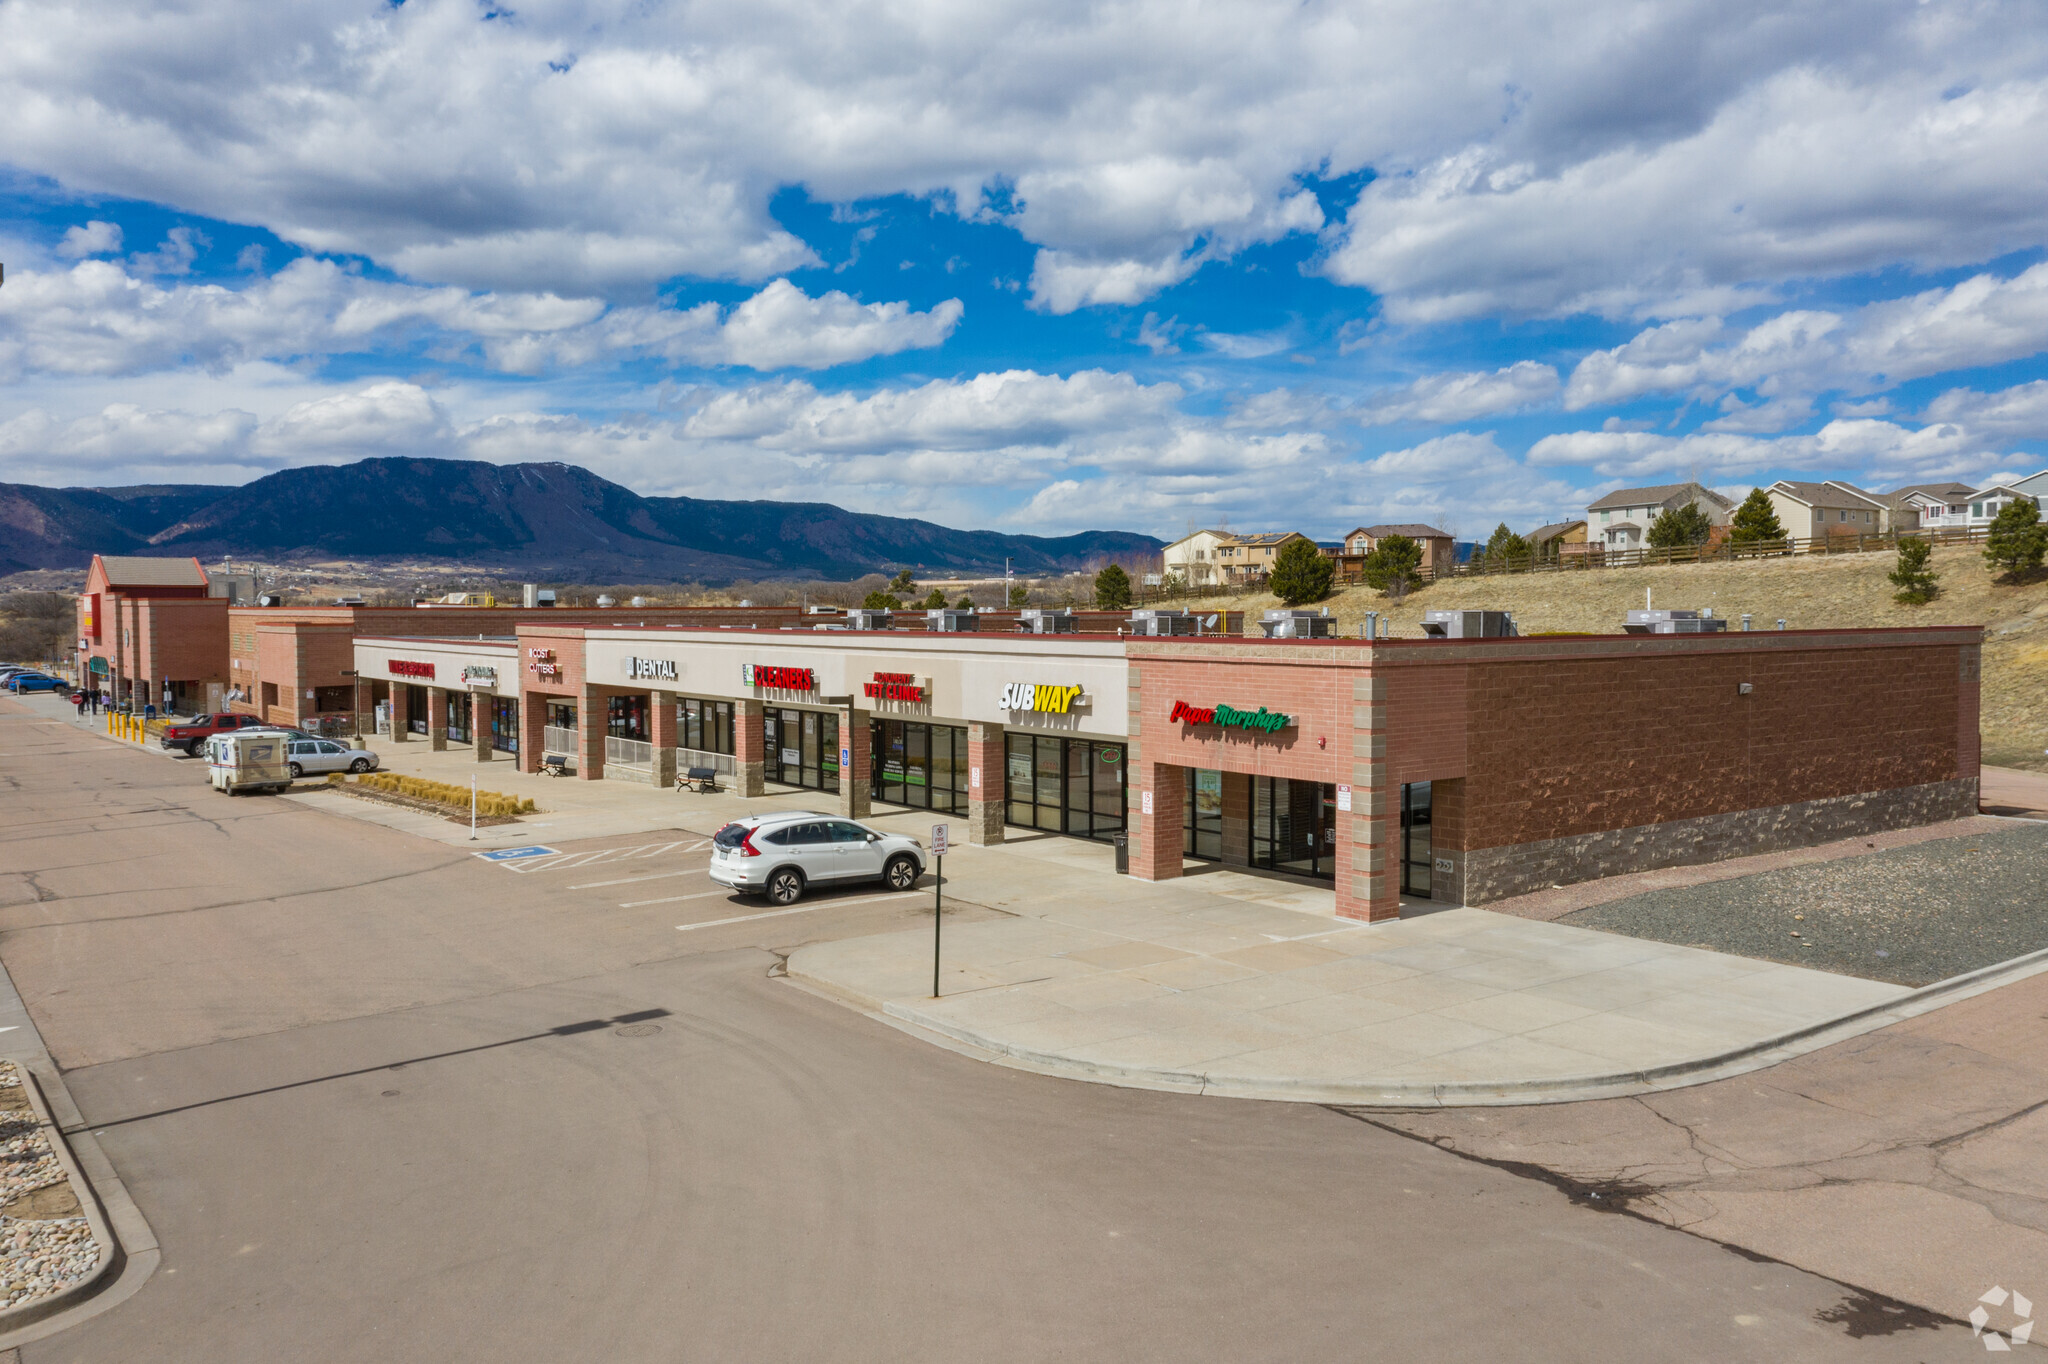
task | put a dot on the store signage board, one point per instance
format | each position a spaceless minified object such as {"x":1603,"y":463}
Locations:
{"x":792,"y":758}
{"x":1045,"y":700}
{"x":895,"y":687}
{"x":479,"y":676}
{"x":1343,"y":798}
{"x":405,"y":667}
{"x":659,"y":669}
{"x":777,"y":679}
{"x":1228,"y":717}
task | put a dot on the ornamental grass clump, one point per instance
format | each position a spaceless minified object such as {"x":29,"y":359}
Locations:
{"x":493,"y":803}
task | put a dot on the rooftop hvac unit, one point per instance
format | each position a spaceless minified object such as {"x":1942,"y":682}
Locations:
{"x":1298,"y":625}
{"x":949,"y":621}
{"x":1169,"y":622}
{"x":1674,"y":623}
{"x":544,"y":597}
{"x":860,"y":618}
{"x":1468,"y":624}
{"x":1037,"y":622}
{"x":270,"y":599}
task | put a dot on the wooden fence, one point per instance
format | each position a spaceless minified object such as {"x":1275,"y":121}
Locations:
{"x":1726,"y":551}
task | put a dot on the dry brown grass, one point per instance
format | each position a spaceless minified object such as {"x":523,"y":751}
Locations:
{"x":1843,"y":591}
{"x":493,"y":803}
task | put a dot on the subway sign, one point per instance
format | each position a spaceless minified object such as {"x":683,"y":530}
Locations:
{"x":778,"y":679}
{"x":1226,"y":717}
{"x":1032,"y":696}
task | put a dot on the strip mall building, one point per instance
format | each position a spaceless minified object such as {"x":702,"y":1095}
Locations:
{"x":1460,"y":770}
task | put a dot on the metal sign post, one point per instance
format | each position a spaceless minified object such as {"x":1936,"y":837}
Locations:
{"x":472,"y":809}
{"x":938,"y":884}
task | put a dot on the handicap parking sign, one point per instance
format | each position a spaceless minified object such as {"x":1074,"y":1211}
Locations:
{"x":514,"y":854}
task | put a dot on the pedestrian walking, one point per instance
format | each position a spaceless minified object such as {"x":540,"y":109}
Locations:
{"x":80,"y":699}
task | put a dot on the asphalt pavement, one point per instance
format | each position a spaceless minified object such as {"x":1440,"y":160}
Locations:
{"x":381,"y":1099}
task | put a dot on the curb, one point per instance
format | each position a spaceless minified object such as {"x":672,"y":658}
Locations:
{"x":132,"y":1253}
{"x":1753,"y":1056}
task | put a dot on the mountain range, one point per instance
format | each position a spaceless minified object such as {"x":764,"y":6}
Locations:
{"x":551,"y":520}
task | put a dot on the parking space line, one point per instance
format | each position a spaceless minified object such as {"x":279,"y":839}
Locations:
{"x":657,"y":876}
{"x":593,"y":856}
{"x":800,"y":909}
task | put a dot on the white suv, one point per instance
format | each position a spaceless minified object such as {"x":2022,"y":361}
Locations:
{"x":779,"y":855}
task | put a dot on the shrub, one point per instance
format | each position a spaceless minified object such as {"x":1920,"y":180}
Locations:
{"x":1019,"y":594}
{"x":1302,"y":573}
{"x":1676,"y":527}
{"x":935,"y":601}
{"x":1914,"y":579}
{"x":1393,"y":563}
{"x":493,"y":803}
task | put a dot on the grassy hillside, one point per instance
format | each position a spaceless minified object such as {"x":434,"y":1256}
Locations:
{"x":1810,"y":593}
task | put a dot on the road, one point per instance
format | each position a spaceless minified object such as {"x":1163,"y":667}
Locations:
{"x":382,"y":1100}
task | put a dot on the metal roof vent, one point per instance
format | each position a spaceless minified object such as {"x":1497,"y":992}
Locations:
{"x":1166,"y":622}
{"x":860,"y":618}
{"x":950,"y":621}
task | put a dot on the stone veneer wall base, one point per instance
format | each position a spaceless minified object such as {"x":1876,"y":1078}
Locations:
{"x":1498,"y":873}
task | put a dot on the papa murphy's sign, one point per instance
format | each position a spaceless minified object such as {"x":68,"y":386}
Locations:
{"x":777,"y":679}
{"x":1261,"y":721}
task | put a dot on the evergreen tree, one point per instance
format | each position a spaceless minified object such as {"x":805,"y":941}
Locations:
{"x":1507,"y":547}
{"x":881,"y":601}
{"x":1755,"y":520}
{"x":1019,"y":594}
{"x":1394,"y":563}
{"x":1914,"y":579}
{"x":1301,"y":573}
{"x":1112,"y":589}
{"x":966,"y":603}
{"x":935,"y":600}
{"x":1677,"y":527}
{"x":903,"y":584}
{"x":2018,"y":540}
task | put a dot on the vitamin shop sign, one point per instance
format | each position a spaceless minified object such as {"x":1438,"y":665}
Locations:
{"x":1227,"y":717}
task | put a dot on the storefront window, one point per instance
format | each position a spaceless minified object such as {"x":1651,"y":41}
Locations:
{"x":921,"y":765}
{"x":1294,"y":826}
{"x":458,"y":717}
{"x":1073,"y":786}
{"x":803,"y":748}
{"x":416,"y":717}
{"x":625,"y":717}
{"x":505,"y":723}
{"x":1418,"y":841}
{"x":705,"y":725}
{"x":561,"y":715}
{"x":1202,"y":814}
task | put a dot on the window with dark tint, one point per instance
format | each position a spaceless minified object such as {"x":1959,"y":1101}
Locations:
{"x":843,"y":832}
{"x":731,"y":836}
{"x":809,"y":833}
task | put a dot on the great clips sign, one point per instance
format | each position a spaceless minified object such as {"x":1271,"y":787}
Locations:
{"x":1260,"y":721}
{"x":778,"y":679}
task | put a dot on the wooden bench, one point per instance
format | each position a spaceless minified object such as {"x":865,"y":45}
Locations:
{"x":554,"y":765}
{"x":701,"y":779}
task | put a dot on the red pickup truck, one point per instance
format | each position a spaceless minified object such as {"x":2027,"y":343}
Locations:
{"x":193,"y":734}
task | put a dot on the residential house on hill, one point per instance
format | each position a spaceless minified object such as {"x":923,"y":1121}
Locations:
{"x":1812,"y":511}
{"x":1439,"y":550}
{"x":1913,"y":505}
{"x":1212,"y":558}
{"x":1981,"y":506}
{"x":1559,"y":539}
{"x":1622,"y":519}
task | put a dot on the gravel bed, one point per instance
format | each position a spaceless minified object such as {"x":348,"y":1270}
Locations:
{"x":38,"y":1255}
{"x":1912,"y":915}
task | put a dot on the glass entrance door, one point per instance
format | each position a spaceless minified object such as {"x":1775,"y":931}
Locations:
{"x":802,"y":749}
{"x":1294,"y":826}
{"x":1418,"y":843}
{"x":1072,"y":786}
{"x":921,"y":765}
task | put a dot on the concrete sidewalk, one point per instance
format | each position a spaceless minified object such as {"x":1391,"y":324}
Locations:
{"x":1229,"y":997}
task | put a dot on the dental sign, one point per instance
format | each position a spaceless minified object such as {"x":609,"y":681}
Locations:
{"x":777,"y":679}
{"x":1261,"y":721}
{"x":661,"y":669}
{"x":894,"y":687}
{"x":1045,"y":700}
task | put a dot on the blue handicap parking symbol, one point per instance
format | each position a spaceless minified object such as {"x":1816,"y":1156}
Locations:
{"x":513,"y":854}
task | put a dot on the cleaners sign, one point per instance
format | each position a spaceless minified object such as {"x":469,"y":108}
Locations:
{"x":1046,"y":700}
{"x":778,"y":679}
{"x":1262,"y":720}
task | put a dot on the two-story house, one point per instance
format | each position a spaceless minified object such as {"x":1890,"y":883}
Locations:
{"x":1214,"y":558}
{"x":1980,"y":506}
{"x":1813,"y":511}
{"x":1622,"y":519}
{"x":1439,"y":550}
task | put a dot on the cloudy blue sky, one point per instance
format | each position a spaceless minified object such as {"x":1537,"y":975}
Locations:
{"x":1042,"y":266}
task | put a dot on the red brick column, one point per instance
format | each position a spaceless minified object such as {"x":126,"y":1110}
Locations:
{"x":590,"y":734}
{"x":661,"y":730}
{"x":533,"y":718}
{"x":986,"y":791}
{"x":749,"y":748}
{"x":1368,"y":881}
{"x":856,"y":774}
{"x":1157,"y":838}
{"x":437,"y":719}
{"x":401,"y":718}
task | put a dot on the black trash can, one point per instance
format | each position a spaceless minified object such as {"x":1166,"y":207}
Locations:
{"x":1122,"y":844}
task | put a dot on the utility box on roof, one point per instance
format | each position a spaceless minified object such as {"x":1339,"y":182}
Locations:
{"x":1468,"y":624}
{"x":1037,"y":622}
{"x":1165,"y":622}
{"x":1285,"y":624}
{"x":1674,"y":623}
{"x":860,"y":618}
{"x":948,"y":621}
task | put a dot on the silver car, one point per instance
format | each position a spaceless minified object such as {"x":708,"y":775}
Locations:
{"x":783,"y":854}
{"x":325,"y":755}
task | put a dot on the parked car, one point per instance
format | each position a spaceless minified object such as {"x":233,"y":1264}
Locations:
{"x":783,"y":854}
{"x":28,"y":682}
{"x":191,"y":735}
{"x":325,"y":755}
